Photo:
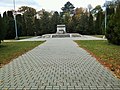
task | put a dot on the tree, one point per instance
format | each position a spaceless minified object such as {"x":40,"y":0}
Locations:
{"x":3,"y":27}
{"x":91,"y":30}
{"x":99,"y":16}
{"x":45,"y":23}
{"x":113,"y":27}
{"x":68,"y":8}
{"x":76,"y":20}
{"x":19,"y":19}
{"x":79,"y":12}
{"x":10,"y":28}
{"x":1,"y":24}
{"x":28,"y":11}
{"x":55,"y":20}
{"x":67,"y":20}
{"x":84,"y":23}
{"x":38,"y":27}
{"x":29,"y":15}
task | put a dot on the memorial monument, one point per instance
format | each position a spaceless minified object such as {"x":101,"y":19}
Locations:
{"x":61,"y":29}
{"x":61,"y":33}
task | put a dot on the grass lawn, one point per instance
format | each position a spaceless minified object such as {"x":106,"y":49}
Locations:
{"x":107,"y":54}
{"x":11,"y":50}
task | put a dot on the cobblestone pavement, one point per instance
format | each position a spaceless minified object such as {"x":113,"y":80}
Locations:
{"x":57,"y":65}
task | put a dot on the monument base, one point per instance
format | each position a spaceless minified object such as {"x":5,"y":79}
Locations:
{"x":60,"y":35}
{"x":66,"y":35}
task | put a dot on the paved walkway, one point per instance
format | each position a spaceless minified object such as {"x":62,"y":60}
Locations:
{"x":57,"y":65}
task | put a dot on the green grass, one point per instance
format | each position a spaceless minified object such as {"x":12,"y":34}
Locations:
{"x":11,"y":50}
{"x":107,"y":54}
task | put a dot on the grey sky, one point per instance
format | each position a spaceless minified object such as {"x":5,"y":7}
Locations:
{"x":54,"y":5}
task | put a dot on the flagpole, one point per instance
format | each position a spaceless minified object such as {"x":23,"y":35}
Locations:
{"x":105,"y":5}
{"x":16,"y":31}
{"x":105,"y":15}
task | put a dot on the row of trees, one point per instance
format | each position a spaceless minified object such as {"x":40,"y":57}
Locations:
{"x":113,"y":26}
{"x":77,"y":20}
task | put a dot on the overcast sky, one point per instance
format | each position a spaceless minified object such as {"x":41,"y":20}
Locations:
{"x":51,"y":5}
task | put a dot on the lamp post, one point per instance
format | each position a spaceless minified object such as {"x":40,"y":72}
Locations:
{"x":105,"y":15}
{"x":16,"y":37}
{"x":105,"y":18}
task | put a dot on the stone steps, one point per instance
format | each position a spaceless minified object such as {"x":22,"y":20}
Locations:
{"x":60,"y":35}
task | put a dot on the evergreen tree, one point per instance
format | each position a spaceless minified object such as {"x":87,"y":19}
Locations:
{"x":2,"y":28}
{"x":113,"y":27}
{"x":99,"y":16}
{"x":98,"y":23}
{"x":55,"y":20}
{"x":91,"y":30}
{"x":19,"y":24}
{"x":45,"y":23}
{"x":76,"y":20}
{"x":9,"y":19}
{"x":68,"y":8}
{"x":28,"y":20}
{"x":84,"y":23}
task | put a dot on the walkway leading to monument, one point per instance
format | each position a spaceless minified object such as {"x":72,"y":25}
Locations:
{"x":58,"y":64}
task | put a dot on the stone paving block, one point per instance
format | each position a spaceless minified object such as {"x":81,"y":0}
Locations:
{"x":74,"y":84}
{"x":108,"y":87}
{"x":33,"y":88}
{"x":85,"y":87}
{"x":54,"y":84}
{"x":78,"y":88}
{"x":56,"y":87}
{"x":116,"y":87}
{"x":49,"y":87}
{"x":71,"y":88}
{"x":59,"y":84}
{"x":66,"y":84}
{"x":27,"y":88}
{"x":93,"y":87}
{"x":42,"y":88}
{"x":63,"y":88}
{"x":4,"y":88}
{"x":32,"y":84}
{"x":12,"y":88}
{"x":101,"y":87}
{"x":20,"y":87}
{"x":1,"y":87}
{"x":46,"y":84}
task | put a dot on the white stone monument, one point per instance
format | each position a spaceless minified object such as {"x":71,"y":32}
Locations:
{"x":61,"y":29}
